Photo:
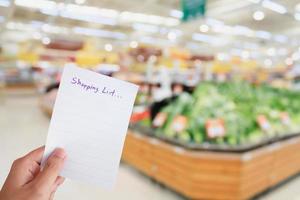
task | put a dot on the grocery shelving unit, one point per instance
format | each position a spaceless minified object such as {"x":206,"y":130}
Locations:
{"x":20,"y":86}
{"x":199,"y":174}
{"x":213,"y":175}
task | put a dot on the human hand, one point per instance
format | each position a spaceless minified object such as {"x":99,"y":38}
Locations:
{"x":26,"y":181}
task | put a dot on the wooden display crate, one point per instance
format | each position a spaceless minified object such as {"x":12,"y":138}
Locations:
{"x":213,"y":175}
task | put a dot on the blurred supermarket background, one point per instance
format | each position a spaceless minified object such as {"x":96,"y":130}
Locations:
{"x":218,"y":111}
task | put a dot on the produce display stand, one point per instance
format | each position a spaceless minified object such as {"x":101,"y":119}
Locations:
{"x":213,"y":175}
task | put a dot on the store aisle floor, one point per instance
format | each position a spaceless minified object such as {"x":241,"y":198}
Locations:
{"x":23,"y":127}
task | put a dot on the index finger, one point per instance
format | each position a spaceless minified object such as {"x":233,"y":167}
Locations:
{"x":47,"y":177}
{"x":36,"y":155}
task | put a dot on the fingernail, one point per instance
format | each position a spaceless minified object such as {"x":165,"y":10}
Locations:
{"x":60,"y":153}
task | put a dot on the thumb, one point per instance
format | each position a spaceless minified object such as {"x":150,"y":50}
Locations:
{"x":47,"y":177}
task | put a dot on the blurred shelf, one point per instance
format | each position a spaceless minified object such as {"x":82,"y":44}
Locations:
{"x":47,"y":102}
{"x":20,"y":86}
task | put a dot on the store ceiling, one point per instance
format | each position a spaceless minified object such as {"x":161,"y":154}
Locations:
{"x":234,"y":12}
{"x":237,"y":30}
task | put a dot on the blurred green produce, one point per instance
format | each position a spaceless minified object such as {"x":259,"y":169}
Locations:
{"x":238,"y":104}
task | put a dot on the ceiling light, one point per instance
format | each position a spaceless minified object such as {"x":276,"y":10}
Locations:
{"x":91,"y":11}
{"x":93,"y":19}
{"x":90,"y":14}
{"x":222,"y":56}
{"x":216,"y":41}
{"x":52,"y":12}
{"x":80,"y":1}
{"x":55,"y":29}
{"x":271,"y":51}
{"x":108,"y":47}
{"x":213,"y":22}
{"x":34,"y":4}
{"x":274,"y":6}
{"x":145,"y":27}
{"x":171,"y":21}
{"x":268,"y":62}
{"x":289,"y":61}
{"x":192,"y":46}
{"x":133,"y":44}
{"x":61,"y":6}
{"x":46,"y":40}
{"x":281,"y":38}
{"x":204,"y":28}
{"x":203,"y":38}
{"x":163,"y":30}
{"x":236,"y":52}
{"x":4,"y":3}
{"x":176,"y":31}
{"x":154,"y":40}
{"x":46,"y":27}
{"x":20,"y":26}
{"x":99,"y":33}
{"x":245,"y":54}
{"x":298,"y":7}
{"x":296,"y":56}
{"x":148,"y":19}
{"x":172,"y":36}
{"x":2,"y":19}
{"x":254,"y":1}
{"x":242,"y":30}
{"x":297,"y":16}
{"x":37,"y":35}
{"x":264,"y":35}
{"x":176,"y":13}
{"x":250,"y":45}
{"x":258,"y":15}
{"x":282,"y":51}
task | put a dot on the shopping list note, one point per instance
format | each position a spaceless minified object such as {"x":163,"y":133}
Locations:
{"x":90,"y":121}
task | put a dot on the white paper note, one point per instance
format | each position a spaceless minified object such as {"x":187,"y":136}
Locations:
{"x":90,"y":121}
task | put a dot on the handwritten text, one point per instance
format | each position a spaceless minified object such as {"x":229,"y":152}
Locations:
{"x":95,"y":89}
